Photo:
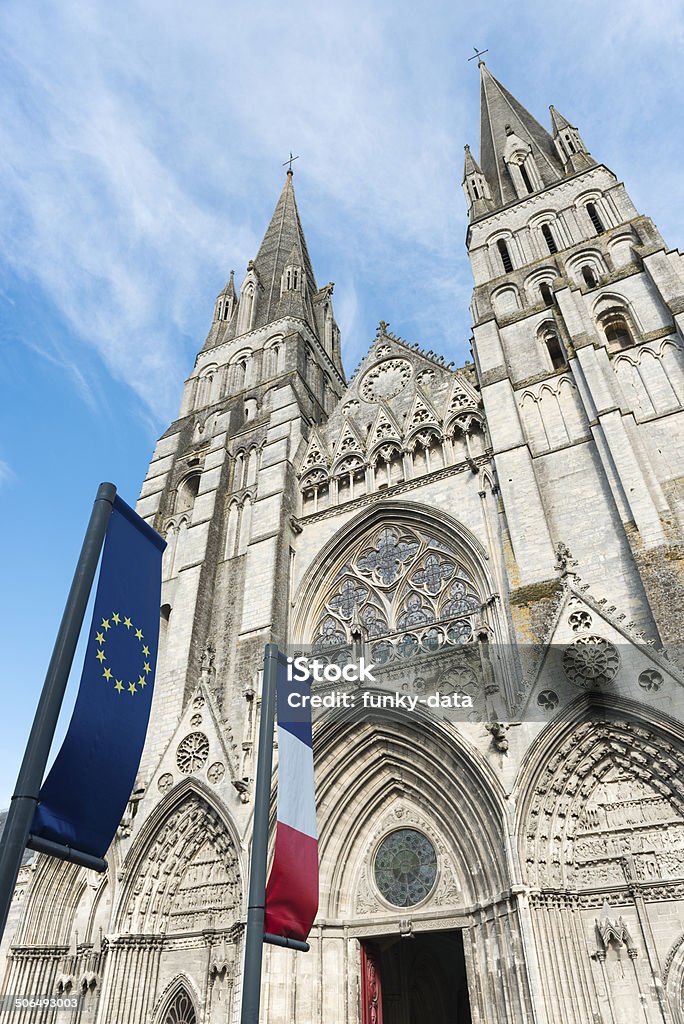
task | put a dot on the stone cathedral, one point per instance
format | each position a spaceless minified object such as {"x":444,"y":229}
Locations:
{"x":510,"y":529}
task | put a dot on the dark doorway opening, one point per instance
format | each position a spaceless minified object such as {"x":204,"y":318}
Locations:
{"x":417,"y":980}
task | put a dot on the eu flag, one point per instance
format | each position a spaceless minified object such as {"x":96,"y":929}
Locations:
{"x":84,"y":796}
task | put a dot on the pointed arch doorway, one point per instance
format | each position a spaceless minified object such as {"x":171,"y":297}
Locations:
{"x":414,"y":980}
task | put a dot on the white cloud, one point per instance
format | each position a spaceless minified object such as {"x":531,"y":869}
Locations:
{"x":142,"y":146}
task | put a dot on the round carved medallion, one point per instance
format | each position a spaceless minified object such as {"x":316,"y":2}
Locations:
{"x":405,"y":867}
{"x":385,"y":380}
{"x":195,"y":721}
{"x":650,"y":679}
{"x":165,"y":782}
{"x":216,"y":771}
{"x":192,"y":752}
{"x":591,"y":662}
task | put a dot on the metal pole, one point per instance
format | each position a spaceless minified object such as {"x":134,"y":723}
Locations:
{"x":25,"y":798}
{"x":254,"y":935}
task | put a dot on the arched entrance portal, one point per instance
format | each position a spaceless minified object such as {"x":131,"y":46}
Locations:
{"x":415,"y":980}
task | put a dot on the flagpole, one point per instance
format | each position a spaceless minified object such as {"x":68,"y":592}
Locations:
{"x":25,"y":797}
{"x":254,"y":934}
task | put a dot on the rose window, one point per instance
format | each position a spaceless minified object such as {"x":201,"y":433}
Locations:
{"x":385,"y":380}
{"x":405,"y":867}
{"x":591,"y":662}
{"x":192,"y":752}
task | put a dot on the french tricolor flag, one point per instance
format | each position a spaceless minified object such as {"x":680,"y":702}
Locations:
{"x":292,"y":889}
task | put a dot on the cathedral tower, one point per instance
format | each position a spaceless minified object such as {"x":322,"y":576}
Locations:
{"x":577,"y":317}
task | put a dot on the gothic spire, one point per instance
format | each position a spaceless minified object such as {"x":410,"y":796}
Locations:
{"x":508,"y":134}
{"x":475,"y":186}
{"x":283,"y":243}
{"x":569,"y":144}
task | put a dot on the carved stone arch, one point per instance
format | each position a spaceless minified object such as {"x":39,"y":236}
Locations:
{"x":187,"y":490}
{"x":100,"y":911}
{"x":532,"y":283}
{"x":609,"y":302}
{"x":506,"y":300}
{"x":417,"y":434}
{"x":463,"y":422}
{"x":189,"y":831}
{"x":571,"y":785}
{"x":673,"y":978}
{"x":172,"y":998}
{"x":43,"y":922}
{"x":406,"y":772}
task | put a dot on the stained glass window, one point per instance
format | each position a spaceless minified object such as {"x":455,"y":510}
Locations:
{"x":402,"y":592}
{"x":405,"y":867}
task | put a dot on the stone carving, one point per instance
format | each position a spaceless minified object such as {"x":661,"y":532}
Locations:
{"x":208,"y":671}
{"x":216,"y":771}
{"x":613,"y":932}
{"x":548,"y":700}
{"x":385,"y":380}
{"x":425,"y":378}
{"x":579,"y":620}
{"x":196,"y":721}
{"x":192,"y":752}
{"x":498,"y":731}
{"x":198,"y":702}
{"x":613,"y":797}
{"x":564,"y":560}
{"x":650,"y":679}
{"x":165,"y":782}
{"x":591,"y":662}
{"x":189,"y":878}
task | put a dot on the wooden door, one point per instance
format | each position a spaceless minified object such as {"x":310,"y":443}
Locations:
{"x":371,"y":984}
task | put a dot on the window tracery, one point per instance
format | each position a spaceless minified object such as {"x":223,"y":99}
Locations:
{"x":400,"y":591}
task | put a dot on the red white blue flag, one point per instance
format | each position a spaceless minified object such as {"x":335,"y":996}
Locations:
{"x":292,"y":889}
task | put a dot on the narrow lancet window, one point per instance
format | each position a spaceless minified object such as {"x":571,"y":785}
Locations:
{"x":549,"y":239}
{"x":589,"y":277}
{"x":546,"y":293}
{"x":595,"y":219}
{"x":505,"y":256}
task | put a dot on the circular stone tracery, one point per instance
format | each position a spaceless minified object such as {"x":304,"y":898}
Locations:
{"x":591,"y":662}
{"x":192,"y":752}
{"x":385,"y":380}
{"x":405,"y":867}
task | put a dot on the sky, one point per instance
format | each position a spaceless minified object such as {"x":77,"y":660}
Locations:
{"x":141,"y":153}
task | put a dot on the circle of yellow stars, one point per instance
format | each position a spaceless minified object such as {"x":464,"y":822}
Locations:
{"x":114,"y":621}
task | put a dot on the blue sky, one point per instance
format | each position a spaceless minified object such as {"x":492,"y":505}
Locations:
{"x":140,"y":159}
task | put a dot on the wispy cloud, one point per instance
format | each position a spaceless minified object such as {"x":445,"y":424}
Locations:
{"x":6,"y":473}
{"x":142,"y":146}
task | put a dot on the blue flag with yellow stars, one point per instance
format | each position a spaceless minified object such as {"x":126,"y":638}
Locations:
{"x":84,"y":796}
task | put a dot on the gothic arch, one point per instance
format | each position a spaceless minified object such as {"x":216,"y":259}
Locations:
{"x":569,"y":770}
{"x":410,"y":771}
{"x":673,"y":978}
{"x":418,"y":521}
{"x":188,"y":830}
{"x":179,"y":995}
{"x":43,"y":923}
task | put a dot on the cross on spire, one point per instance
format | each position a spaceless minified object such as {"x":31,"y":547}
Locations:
{"x":478,"y":54}
{"x":290,"y":162}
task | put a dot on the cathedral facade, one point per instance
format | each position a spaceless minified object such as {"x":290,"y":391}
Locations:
{"x":509,"y":531}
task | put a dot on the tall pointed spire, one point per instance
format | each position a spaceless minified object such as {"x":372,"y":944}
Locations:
{"x":475,"y":186}
{"x":569,"y":144}
{"x":508,"y":134}
{"x":282,"y":244}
